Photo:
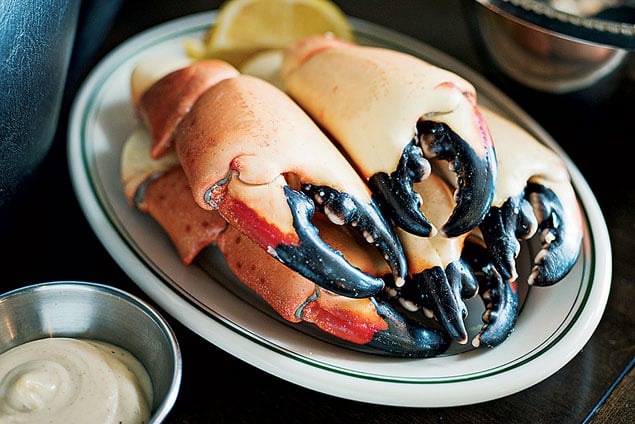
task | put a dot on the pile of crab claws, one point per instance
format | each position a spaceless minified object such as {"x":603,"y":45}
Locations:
{"x":316,"y":260}
{"x":405,"y":337}
{"x":499,"y":297}
{"x":259,"y":169}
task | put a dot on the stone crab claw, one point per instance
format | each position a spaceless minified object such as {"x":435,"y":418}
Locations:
{"x":533,"y":196}
{"x":365,"y":322}
{"x":499,"y":297}
{"x":391,"y":113}
{"x":252,"y":154}
{"x":438,"y":279}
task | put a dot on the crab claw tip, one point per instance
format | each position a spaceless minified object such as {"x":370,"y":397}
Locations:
{"x":316,"y":260}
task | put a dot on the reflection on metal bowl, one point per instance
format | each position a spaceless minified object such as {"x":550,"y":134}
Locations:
{"x":552,"y":50}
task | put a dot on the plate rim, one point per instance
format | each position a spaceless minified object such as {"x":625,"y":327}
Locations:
{"x":184,"y":311}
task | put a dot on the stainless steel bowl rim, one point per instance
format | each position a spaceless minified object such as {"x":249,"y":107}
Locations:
{"x":592,"y":30}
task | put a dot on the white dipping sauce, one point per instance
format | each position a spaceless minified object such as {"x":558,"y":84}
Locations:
{"x":65,"y":380}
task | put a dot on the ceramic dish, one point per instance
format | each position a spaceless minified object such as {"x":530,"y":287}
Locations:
{"x":542,"y":343}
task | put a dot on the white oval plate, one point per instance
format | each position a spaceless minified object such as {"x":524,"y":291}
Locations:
{"x":554,"y":325}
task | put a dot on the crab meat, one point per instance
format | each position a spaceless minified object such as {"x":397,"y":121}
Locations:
{"x":392,"y":113}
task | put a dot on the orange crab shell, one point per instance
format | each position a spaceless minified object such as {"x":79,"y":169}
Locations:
{"x":168,"y":199}
{"x":294,"y":297}
{"x":166,"y":102}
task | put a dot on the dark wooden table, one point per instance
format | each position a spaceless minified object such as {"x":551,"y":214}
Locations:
{"x":45,"y":237}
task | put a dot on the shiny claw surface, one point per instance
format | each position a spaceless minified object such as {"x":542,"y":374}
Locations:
{"x":405,"y":337}
{"x":438,"y":280}
{"x":252,"y":154}
{"x":500,"y":298}
{"x":392,"y":113}
{"x":533,"y":196}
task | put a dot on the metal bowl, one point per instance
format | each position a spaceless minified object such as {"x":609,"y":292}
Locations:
{"x":99,"y":312}
{"x":556,"y":50}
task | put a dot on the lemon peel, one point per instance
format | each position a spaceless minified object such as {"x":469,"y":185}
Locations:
{"x":245,"y":27}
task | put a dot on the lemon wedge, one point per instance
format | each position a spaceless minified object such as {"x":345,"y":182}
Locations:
{"x":245,"y":27}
